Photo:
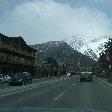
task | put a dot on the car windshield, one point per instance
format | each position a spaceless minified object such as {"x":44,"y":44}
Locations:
{"x":56,"y":54}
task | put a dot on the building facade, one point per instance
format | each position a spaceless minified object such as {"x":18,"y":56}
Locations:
{"x":16,"y":55}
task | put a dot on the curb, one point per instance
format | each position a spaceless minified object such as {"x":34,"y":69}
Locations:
{"x":108,"y":84}
{"x":105,"y":82}
{"x":41,"y":84}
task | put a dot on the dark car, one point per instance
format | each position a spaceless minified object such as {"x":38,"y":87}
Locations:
{"x":27,"y":78}
{"x":20,"y":79}
{"x":86,"y":76}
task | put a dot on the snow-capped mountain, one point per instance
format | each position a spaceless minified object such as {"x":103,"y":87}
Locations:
{"x":62,"y":53}
{"x":89,"y":47}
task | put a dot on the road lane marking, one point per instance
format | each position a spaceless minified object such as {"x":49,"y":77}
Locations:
{"x":73,"y":84}
{"x":105,"y":82}
{"x":14,"y":91}
{"x":59,"y":96}
{"x":108,"y":84}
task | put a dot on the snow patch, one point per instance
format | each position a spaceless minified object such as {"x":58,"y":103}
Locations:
{"x":91,"y":48}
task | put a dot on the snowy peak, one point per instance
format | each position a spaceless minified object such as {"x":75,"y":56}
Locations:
{"x":91,"y":48}
{"x":76,"y":42}
{"x":53,"y":43}
{"x":89,"y":52}
{"x":62,"y":53}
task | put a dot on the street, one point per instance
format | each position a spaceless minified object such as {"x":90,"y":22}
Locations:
{"x":68,"y":93}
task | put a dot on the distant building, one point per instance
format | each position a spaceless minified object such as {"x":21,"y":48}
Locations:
{"x":16,"y":55}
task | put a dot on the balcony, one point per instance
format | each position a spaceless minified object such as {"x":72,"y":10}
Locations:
{"x":5,"y":46}
{"x":15,"y":49}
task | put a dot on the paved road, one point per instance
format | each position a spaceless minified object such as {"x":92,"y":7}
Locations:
{"x":69,"y":93}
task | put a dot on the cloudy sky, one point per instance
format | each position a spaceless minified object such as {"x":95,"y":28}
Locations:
{"x":39,"y":21}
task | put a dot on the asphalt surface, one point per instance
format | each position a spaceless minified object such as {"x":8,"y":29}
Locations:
{"x":68,"y":93}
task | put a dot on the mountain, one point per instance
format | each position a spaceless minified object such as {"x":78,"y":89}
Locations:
{"x":62,"y":52}
{"x":91,"y":48}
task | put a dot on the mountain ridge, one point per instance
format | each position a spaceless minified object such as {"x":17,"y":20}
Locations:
{"x":62,"y":52}
{"x":91,"y":48}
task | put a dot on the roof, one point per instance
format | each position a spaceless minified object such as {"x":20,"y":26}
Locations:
{"x":22,"y":41}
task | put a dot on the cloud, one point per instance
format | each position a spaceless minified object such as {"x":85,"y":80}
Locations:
{"x":104,"y":1}
{"x":40,"y":21}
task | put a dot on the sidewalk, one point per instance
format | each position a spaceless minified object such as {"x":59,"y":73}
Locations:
{"x":106,"y":81}
{"x":38,"y":83}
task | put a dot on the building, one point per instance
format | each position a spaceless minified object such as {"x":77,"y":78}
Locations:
{"x":16,"y":55}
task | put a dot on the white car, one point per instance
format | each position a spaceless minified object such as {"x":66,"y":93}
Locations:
{"x":7,"y":78}
{"x":4,"y":78}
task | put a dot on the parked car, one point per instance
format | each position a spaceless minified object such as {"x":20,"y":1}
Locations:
{"x":86,"y":76}
{"x":27,"y":78}
{"x":20,"y":79}
{"x":1,"y":78}
{"x":4,"y":78}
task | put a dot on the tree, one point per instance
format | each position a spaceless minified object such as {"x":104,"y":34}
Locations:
{"x":51,"y":61}
{"x":49,"y":67}
{"x":105,"y":58}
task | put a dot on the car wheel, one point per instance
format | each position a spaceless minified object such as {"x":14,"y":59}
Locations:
{"x":21,"y":83}
{"x":24,"y":83}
